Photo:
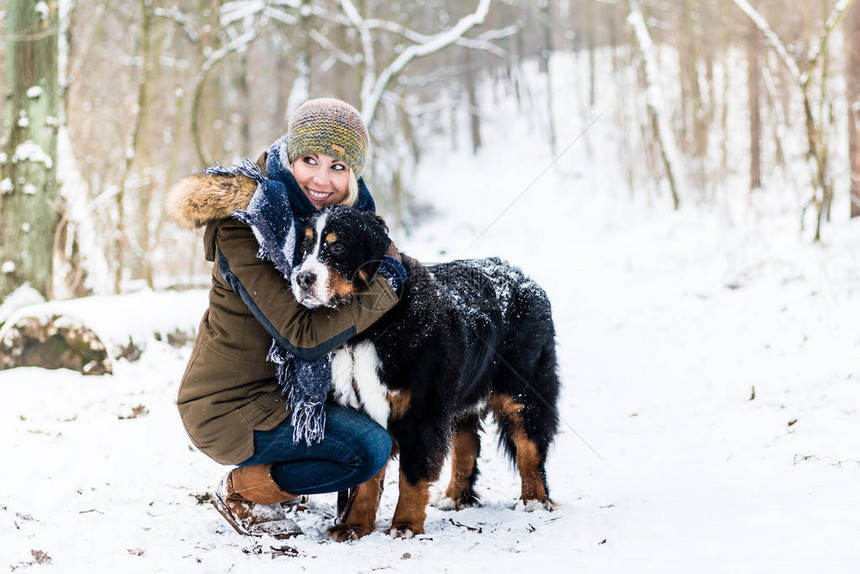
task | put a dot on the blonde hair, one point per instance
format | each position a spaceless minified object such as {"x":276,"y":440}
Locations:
{"x":351,"y":190}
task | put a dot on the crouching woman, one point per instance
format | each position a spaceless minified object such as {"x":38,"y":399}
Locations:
{"x":234,"y":401}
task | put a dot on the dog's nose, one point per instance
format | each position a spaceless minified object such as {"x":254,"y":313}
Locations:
{"x":306,"y":279}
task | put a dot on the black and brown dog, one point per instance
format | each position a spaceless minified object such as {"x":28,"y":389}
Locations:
{"x":466,"y":338}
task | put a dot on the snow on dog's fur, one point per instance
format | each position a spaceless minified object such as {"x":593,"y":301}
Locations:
{"x":466,"y":338}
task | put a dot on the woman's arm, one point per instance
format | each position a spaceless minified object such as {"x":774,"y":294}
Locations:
{"x":307,"y":333}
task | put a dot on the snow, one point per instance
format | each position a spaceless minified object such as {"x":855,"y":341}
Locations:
{"x":31,"y":151}
{"x":34,"y":92}
{"x":21,"y":297}
{"x":709,"y":410}
{"x":43,"y":9}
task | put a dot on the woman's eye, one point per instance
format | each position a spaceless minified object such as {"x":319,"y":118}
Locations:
{"x":310,"y":160}
{"x":338,"y":167}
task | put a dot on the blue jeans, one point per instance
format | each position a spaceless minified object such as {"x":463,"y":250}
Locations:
{"x":354,"y":449}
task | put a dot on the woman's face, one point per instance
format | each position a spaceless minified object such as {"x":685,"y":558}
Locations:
{"x":323,"y":179}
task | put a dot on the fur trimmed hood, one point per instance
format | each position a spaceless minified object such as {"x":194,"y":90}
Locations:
{"x":199,"y":199}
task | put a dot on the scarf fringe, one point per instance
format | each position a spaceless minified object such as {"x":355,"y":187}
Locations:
{"x":308,"y":419}
{"x":307,"y":410}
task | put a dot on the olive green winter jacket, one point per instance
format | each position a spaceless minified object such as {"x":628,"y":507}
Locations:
{"x":229,"y":389}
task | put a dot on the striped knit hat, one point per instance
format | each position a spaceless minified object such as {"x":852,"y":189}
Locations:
{"x":328,"y":126}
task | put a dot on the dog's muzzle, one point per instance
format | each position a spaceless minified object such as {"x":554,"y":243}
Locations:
{"x":306,"y":279}
{"x":309,"y":287}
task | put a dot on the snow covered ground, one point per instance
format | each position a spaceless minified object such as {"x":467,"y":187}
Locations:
{"x":709,"y":415}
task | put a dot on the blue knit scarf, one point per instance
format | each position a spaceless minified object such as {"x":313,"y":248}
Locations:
{"x":277,"y":211}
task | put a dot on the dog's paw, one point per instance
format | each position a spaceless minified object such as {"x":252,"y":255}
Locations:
{"x":445,"y":503}
{"x":405,"y":530}
{"x":534,"y":504}
{"x":346,"y":532}
{"x":442,"y":501}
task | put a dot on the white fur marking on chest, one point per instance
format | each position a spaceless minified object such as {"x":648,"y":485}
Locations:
{"x":359,"y":364}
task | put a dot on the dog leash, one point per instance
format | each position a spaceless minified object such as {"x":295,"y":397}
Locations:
{"x":345,"y":498}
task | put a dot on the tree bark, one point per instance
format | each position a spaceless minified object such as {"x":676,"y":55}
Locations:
{"x":591,"y":42}
{"x":468,"y":80}
{"x":546,"y":53}
{"x":121,"y":241}
{"x":29,"y":185}
{"x":300,"y":91}
{"x":659,"y":123}
{"x":754,"y":46}
{"x":852,"y":86}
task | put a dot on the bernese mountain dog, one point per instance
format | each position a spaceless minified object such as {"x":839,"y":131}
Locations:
{"x":466,"y":338}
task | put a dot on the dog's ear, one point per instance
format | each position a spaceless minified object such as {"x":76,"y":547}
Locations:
{"x":376,"y":235}
{"x":373,"y":234}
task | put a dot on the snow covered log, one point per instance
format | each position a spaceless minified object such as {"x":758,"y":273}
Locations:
{"x":53,"y":342}
{"x":90,"y":334}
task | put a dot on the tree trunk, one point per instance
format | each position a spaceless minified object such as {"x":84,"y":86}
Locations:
{"x":754,"y":47}
{"x":725,"y":49}
{"x":694,"y":124}
{"x":656,"y":102}
{"x":468,"y":80}
{"x":122,"y":241}
{"x":546,"y":52}
{"x":29,"y":185}
{"x":852,"y":81}
{"x":300,"y":91}
{"x":245,"y":105}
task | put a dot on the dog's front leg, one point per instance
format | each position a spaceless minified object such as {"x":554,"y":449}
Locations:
{"x":411,"y":510}
{"x":361,"y":516}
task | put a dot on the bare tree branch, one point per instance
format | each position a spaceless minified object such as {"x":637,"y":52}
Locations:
{"x":482,"y":42}
{"x":372,"y":96}
{"x":335,"y":52}
{"x":178,"y":16}
{"x":775,"y":41}
{"x":818,"y":48}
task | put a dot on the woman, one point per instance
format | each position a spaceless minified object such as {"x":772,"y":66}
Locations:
{"x":230,"y":399}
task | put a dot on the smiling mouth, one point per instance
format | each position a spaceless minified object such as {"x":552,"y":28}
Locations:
{"x":318,"y":194}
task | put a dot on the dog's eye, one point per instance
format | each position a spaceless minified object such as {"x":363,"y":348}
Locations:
{"x":307,"y":244}
{"x":337,"y":248}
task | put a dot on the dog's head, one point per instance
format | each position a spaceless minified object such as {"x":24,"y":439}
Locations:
{"x":340,"y":253}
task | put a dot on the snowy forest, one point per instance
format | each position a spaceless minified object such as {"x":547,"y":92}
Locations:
{"x":127,"y":98}
{"x":681,"y":176}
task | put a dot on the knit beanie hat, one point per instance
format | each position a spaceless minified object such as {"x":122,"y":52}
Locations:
{"x":328,"y":126}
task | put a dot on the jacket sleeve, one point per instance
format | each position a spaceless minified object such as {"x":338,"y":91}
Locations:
{"x":308,"y":333}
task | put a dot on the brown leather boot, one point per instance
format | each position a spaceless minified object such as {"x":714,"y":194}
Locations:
{"x":249,"y":499}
